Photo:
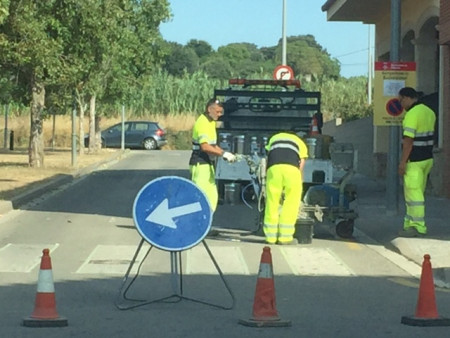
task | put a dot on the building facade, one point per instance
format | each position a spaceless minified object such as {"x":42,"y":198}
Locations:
{"x":425,"y":39}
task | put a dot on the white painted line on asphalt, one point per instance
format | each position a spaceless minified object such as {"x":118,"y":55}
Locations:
{"x":112,"y":260}
{"x":229,"y":258}
{"x":22,"y":257}
{"x":314,"y":262}
{"x":405,"y":264}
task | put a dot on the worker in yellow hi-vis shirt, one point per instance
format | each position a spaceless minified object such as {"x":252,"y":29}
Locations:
{"x":204,"y":147}
{"x":286,"y":158}
{"x":416,"y":160}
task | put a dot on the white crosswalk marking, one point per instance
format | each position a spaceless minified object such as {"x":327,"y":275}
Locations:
{"x":22,"y":257}
{"x":229,"y":259}
{"x":116,"y":259}
{"x":111,"y":259}
{"x":314,"y":262}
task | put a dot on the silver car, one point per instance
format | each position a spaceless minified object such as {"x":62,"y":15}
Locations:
{"x":138,"y":134}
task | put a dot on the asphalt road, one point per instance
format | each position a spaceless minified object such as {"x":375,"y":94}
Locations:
{"x":329,"y":288}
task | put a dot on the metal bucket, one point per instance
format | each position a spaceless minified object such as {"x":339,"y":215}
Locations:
{"x":239,"y":142}
{"x":311,"y":143}
{"x":304,"y":230}
{"x":232,"y":193}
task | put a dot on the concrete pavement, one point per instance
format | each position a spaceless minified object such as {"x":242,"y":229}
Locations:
{"x":376,"y":224}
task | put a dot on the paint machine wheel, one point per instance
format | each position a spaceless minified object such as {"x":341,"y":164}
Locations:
{"x":344,"y":228}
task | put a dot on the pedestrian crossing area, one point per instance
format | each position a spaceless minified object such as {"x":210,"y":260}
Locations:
{"x":232,"y":259}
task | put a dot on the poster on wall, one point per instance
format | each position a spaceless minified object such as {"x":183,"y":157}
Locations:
{"x":390,"y":77}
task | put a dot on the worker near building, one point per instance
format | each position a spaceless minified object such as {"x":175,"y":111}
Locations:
{"x":286,"y":155}
{"x":204,"y":150}
{"x":416,"y":159}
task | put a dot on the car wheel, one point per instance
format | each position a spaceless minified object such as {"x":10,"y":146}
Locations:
{"x":150,"y":144}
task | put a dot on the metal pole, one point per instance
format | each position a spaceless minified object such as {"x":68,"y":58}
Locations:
{"x":74,"y":133}
{"x":369,"y":71}
{"x":392,"y":179}
{"x":5,"y":140}
{"x":283,"y":39}
{"x":122,"y":142}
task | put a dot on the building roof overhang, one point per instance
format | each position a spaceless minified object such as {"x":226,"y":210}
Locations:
{"x":356,"y":10}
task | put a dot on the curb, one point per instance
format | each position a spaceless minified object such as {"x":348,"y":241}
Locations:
{"x":54,"y":183}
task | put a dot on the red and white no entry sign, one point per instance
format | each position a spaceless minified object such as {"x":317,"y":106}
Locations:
{"x":283,"y":72}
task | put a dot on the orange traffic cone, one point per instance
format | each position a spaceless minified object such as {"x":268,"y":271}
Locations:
{"x":426,"y":310}
{"x":314,"y":126}
{"x":264,"y":307}
{"x":44,"y":314}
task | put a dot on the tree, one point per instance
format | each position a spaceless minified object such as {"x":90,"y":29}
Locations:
{"x":202,"y":48}
{"x":32,"y":50}
{"x":306,"y":56}
{"x":179,"y":59}
{"x":4,"y":9}
{"x":217,"y":67}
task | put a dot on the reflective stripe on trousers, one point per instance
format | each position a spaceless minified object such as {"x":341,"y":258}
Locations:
{"x":203,"y":175}
{"x":415,"y":181}
{"x":281,"y":224}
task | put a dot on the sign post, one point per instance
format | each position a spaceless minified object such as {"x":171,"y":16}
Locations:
{"x":171,"y":213}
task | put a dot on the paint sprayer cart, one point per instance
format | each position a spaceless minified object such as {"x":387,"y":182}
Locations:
{"x":333,"y":202}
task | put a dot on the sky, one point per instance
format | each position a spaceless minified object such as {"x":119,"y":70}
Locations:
{"x":220,"y":22}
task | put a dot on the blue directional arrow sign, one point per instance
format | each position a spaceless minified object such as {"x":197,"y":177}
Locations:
{"x":172,"y":213}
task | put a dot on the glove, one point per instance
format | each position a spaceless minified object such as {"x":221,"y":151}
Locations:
{"x":229,"y":156}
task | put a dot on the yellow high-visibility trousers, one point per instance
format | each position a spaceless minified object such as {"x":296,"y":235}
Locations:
{"x":203,"y":175}
{"x":415,"y":181}
{"x":279,"y":225}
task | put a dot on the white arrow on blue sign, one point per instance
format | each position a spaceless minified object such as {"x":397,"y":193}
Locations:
{"x":172,"y":213}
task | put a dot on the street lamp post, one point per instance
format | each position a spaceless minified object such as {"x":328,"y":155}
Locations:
{"x":283,"y":38}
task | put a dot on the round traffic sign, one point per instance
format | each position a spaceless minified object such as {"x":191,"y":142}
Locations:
{"x":394,"y":107}
{"x":172,"y":213}
{"x":283,"y":72}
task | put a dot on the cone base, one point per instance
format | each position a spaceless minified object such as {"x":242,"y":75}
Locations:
{"x":34,"y":322}
{"x":415,"y":321}
{"x":265,"y":323}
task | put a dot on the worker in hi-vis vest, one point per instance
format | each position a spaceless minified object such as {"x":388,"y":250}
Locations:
{"x":204,"y":148}
{"x":286,"y":158}
{"x":416,"y":159}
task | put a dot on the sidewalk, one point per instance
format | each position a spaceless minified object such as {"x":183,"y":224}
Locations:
{"x":374,"y":222}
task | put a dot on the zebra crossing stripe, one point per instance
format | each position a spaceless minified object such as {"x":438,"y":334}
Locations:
{"x":22,"y":257}
{"x":315,"y":262}
{"x":229,"y":258}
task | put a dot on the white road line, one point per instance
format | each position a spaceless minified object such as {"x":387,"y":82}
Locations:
{"x":229,"y":259}
{"x":111,"y":259}
{"x":22,"y":257}
{"x":314,"y":262}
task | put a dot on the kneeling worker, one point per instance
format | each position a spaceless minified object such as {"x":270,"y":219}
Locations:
{"x":204,"y":148}
{"x":286,"y":158}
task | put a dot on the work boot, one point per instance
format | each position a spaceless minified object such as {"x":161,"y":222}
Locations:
{"x":410,"y":233}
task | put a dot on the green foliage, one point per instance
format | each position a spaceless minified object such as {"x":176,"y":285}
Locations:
{"x":112,"y":49}
{"x":163,"y":93}
{"x":202,"y":48}
{"x":345,"y":98}
{"x":181,"y":140}
{"x":181,"y":59}
{"x":307,"y":57}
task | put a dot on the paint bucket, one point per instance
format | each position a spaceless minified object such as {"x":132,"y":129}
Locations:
{"x":304,"y":230}
{"x":239,"y":142}
{"x":232,"y":193}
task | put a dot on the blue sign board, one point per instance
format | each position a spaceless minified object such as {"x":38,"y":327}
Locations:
{"x":172,"y":213}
